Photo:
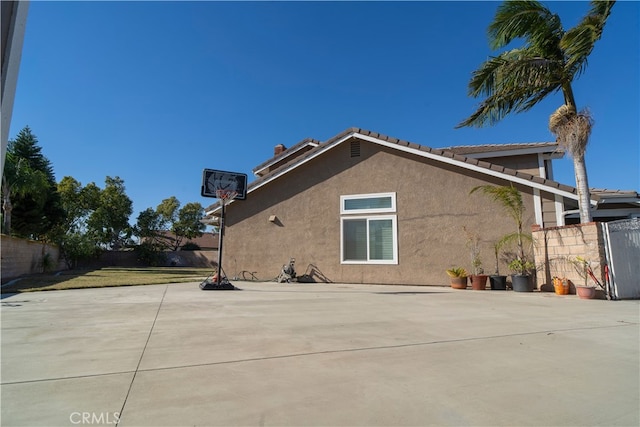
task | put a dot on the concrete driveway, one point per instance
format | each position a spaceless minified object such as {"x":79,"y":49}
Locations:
{"x":317,"y":354}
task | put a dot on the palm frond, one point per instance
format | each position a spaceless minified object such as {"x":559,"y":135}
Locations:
{"x":579,"y":41}
{"x":508,"y":197}
{"x":513,"y":81}
{"x":529,"y":20}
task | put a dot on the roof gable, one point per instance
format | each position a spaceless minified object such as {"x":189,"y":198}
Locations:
{"x":290,"y":152}
{"x":440,"y":155}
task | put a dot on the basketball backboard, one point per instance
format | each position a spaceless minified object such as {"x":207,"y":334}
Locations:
{"x":213,"y":180}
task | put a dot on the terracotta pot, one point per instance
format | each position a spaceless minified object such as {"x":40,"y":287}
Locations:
{"x":586,"y":292}
{"x":479,"y":282}
{"x":459,"y":282}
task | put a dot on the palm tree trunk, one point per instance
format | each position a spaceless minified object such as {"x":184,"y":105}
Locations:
{"x":582,"y":185}
{"x":569,"y":99}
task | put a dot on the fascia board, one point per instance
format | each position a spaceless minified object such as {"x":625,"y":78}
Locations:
{"x":517,"y":152}
{"x":439,"y":158}
{"x":279,"y":158}
{"x":603,"y":213}
{"x":284,"y":170}
{"x":614,"y":199}
{"x":474,"y":168}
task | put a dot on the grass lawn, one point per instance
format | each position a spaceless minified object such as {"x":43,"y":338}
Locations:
{"x":105,"y":277}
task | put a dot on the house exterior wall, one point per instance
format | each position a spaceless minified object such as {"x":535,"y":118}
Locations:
{"x":525,"y":163}
{"x":433,"y":204}
{"x":549,"y":217}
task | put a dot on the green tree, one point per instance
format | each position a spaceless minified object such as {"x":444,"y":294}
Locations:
{"x":548,"y":62}
{"x":109,"y":221}
{"x":188,"y":224}
{"x":78,"y":202}
{"x":168,"y":212}
{"x":76,"y":247}
{"x":20,"y":181}
{"x":152,"y":241}
{"x":33,"y":208}
{"x":169,"y":225}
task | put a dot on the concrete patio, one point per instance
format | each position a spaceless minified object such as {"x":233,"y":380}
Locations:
{"x":317,"y":354}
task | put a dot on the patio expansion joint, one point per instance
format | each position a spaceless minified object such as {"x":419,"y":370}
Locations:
{"x":133,"y":378}
{"x":621,"y":324}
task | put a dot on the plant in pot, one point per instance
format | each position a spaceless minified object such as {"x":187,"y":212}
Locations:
{"x":511,"y":200}
{"x":521,"y":277}
{"x":497,"y":281}
{"x":583,"y":268}
{"x":458,"y":276}
{"x":478,"y":278}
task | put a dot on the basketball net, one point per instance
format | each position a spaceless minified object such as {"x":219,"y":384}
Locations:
{"x":226,"y":196}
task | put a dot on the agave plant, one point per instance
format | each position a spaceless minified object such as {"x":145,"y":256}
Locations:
{"x":457,"y":272}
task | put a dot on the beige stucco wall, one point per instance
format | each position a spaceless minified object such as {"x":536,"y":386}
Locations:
{"x":554,"y":246}
{"x":433,"y":204}
{"x":21,"y":256}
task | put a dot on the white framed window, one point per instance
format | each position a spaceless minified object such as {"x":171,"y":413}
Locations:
{"x":368,"y":203}
{"x":371,"y":238}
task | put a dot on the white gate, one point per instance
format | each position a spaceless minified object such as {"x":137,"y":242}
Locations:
{"x":622,"y":246}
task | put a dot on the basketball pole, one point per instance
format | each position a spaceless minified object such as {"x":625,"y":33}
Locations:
{"x":220,"y":234}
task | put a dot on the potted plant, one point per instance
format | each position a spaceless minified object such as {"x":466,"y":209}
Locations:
{"x":511,"y":200}
{"x":583,"y":268}
{"x":458,"y":277}
{"x":478,"y":278}
{"x":497,"y":281}
{"x":521,"y":277}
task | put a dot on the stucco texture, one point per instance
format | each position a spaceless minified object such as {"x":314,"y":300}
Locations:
{"x":433,"y":205}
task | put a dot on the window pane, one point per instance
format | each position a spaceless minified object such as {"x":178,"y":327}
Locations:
{"x":368,"y":203}
{"x":381,"y":239}
{"x":355,"y":240}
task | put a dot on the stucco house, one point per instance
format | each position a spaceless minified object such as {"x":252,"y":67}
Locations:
{"x":363,"y":207}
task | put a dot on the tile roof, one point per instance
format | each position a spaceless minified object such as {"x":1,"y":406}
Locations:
{"x":287,"y":152}
{"x":612,"y":195}
{"x":489,"y":148}
{"x":444,"y":154}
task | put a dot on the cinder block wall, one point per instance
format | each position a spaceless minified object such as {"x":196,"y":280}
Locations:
{"x":554,"y":246}
{"x":21,"y":256}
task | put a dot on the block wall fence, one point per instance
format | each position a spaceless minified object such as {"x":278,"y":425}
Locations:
{"x":21,"y":256}
{"x":554,"y":246}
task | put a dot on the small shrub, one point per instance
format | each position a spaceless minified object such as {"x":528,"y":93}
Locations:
{"x":150,"y":254}
{"x":190,"y":246}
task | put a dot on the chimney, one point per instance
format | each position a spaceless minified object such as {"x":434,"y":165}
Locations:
{"x":278,"y":149}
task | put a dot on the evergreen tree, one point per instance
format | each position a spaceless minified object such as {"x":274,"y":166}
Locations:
{"x":31,"y":201}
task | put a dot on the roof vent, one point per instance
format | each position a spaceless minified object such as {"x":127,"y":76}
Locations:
{"x":355,"y":148}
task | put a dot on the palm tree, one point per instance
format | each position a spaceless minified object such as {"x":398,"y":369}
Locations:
{"x":548,"y":62}
{"x":510,"y":199}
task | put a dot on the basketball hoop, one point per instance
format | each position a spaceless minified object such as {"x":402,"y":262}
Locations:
{"x":226,"y":196}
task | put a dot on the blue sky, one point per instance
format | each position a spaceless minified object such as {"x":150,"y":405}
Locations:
{"x":154,"y":92}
